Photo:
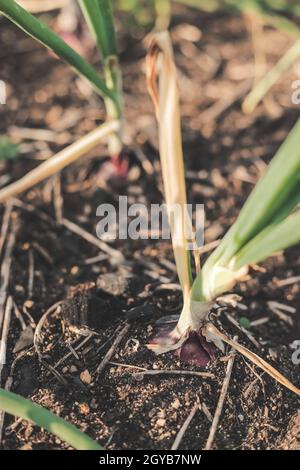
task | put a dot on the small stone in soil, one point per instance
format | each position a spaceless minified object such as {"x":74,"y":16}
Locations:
{"x":84,"y":408}
{"x":176,"y":404}
{"x":161,"y":422}
{"x":116,"y":284}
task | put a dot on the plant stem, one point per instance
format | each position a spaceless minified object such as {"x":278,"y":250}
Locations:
{"x":114,"y":108}
{"x":99,"y":17}
{"x":113,"y":76}
{"x":163,"y":14}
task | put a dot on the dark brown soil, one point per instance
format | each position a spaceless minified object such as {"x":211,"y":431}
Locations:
{"x":225,"y":153}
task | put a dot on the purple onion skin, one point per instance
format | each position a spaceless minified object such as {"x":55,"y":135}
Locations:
{"x":196,"y":350}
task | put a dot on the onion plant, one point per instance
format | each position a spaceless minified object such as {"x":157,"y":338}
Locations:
{"x":98,"y":14}
{"x":267,"y":223}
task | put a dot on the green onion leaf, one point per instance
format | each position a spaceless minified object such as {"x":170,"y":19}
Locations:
{"x":98,"y":15}
{"x":274,"y":238}
{"x":276,"y":191}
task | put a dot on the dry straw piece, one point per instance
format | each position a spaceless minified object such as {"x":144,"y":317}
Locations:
{"x":162,"y":86}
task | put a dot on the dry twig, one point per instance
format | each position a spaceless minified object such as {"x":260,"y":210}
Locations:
{"x":30,"y":273}
{"x":220,"y":404}
{"x":39,"y":327}
{"x":194,"y":373}
{"x":59,"y":161}
{"x":184,"y":427}
{"x":4,"y":334}
{"x":6,"y":265}
{"x":5,"y":225}
{"x":212,"y":330}
{"x":58,"y":200}
{"x":240,"y":327}
{"x":72,"y":227}
{"x":112,"y":349}
{"x":288,"y":281}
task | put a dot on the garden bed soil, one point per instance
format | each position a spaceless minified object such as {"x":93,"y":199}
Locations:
{"x":225,"y":153}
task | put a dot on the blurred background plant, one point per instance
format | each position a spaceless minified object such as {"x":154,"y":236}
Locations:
{"x":283,"y":14}
{"x":8,"y":150}
{"x":146,"y":15}
{"x":107,"y":83}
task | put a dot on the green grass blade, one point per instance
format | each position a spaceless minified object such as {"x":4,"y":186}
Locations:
{"x":269,"y":198}
{"x":274,"y":238}
{"x":39,"y":31}
{"x":18,"y":406}
{"x":99,"y":17}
